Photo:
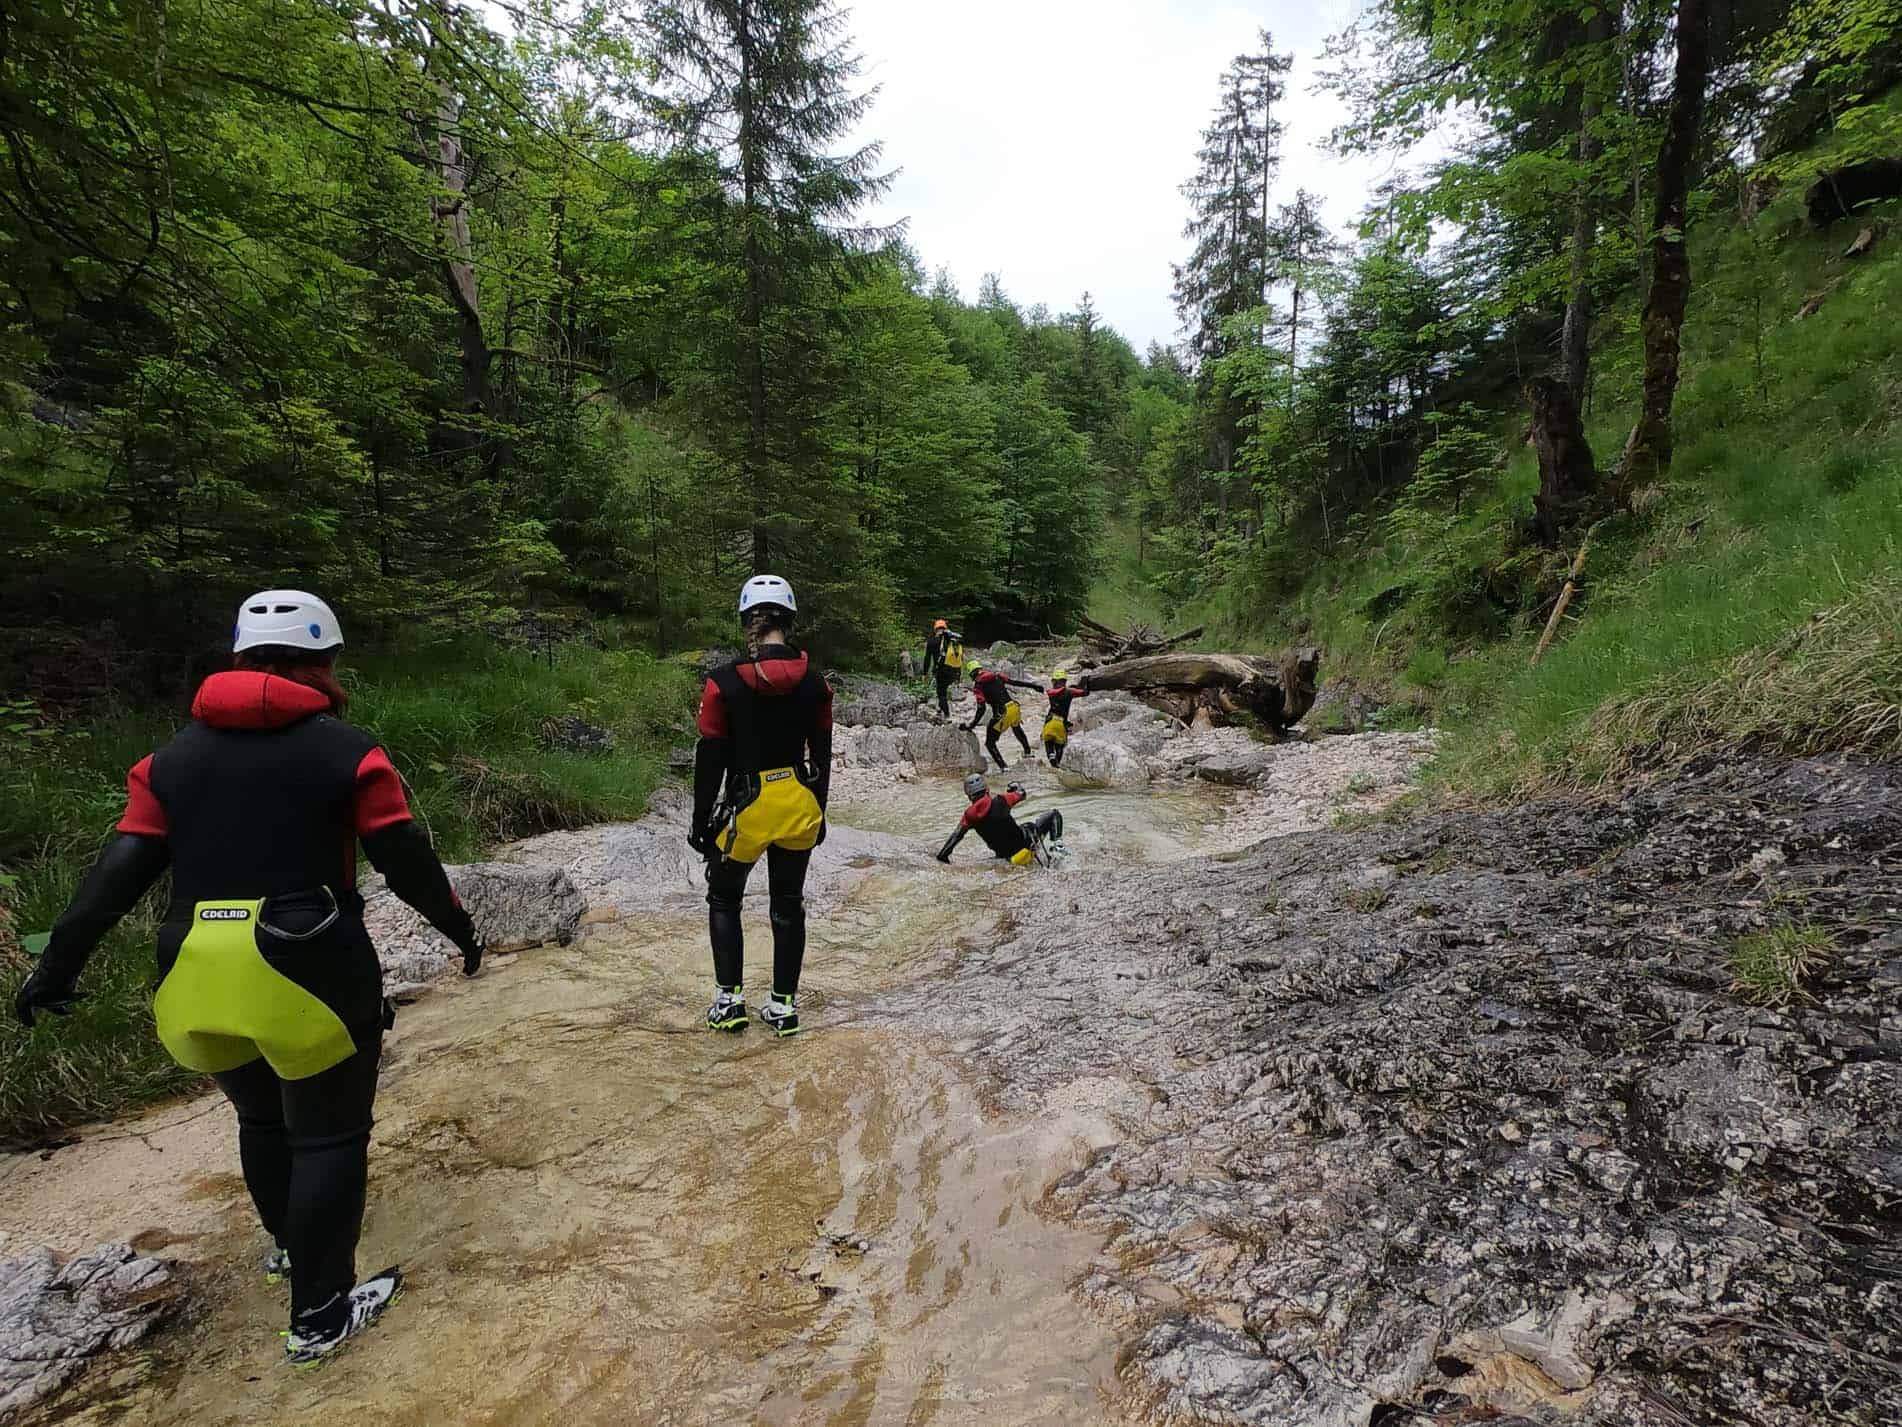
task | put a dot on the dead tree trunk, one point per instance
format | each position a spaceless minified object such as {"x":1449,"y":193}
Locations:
{"x":1568,"y":478}
{"x":1279,"y":692}
{"x":1648,"y":451}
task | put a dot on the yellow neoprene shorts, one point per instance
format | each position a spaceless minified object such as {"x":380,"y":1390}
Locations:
{"x":1055,"y":730}
{"x":1010,"y":718}
{"x":222,"y":1005}
{"x":785,"y":814}
{"x":1023,"y":857}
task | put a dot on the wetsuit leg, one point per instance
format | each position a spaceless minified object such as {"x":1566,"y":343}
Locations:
{"x":327,"y":1119}
{"x":990,"y":742}
{"x":1022,"y":742}
{"x":786,"y":887}
{"x":257,"y":1095}
{"x":726,"y":885}
{"x":1047,"y":826}
{"x":945,"y":679}
{"x":1053,"y":751}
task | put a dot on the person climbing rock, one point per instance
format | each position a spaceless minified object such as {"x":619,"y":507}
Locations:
{"x":992,"y":689}
{"x":944,"y":660}
{"x":1056,"y":729}
{"x":989,"y":816}
{"x":268,"y":980}
{"x":761,"y":773}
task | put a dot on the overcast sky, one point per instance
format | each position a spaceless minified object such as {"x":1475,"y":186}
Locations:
{"x":1047,"y":140}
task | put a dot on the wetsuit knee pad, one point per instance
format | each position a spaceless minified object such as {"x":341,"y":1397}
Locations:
{"x":341,"y":1139}
{"x":786,"y":911}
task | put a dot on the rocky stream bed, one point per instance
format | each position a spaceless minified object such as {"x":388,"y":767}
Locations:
{"x":1234,"y":1116}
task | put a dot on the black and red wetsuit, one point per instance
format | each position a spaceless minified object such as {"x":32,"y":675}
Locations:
{"x":989,"y":817}
{"x":992,"y":691}
{"x":1060,"y":697}
{"x":266,"y":795}
{"x":759,"y":714}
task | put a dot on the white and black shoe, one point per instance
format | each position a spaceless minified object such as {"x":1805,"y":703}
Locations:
{"x":780,"y":1016}
{"x":728,"y":1012}
{"x":328,"y":1328}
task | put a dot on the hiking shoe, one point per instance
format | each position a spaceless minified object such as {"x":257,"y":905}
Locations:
{"x":780,"y":1016}
{"x":365,"y":1304}
{"x":277,"y":1266}
{"x":1057,"y":849}
{"x":727,"y":1013}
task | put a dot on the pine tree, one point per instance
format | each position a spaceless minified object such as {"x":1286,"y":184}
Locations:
{"x":1305,"y":252}
{"x":765,"y":86}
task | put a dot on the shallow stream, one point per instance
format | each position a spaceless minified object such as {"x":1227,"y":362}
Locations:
{"x":606,"y":1214}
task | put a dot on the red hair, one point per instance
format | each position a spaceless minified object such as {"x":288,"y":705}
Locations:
{"x":301,"y":666}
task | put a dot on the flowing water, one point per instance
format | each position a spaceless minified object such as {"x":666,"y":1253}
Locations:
{"x":606,"y":1214}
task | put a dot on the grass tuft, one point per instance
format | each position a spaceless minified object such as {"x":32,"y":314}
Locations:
{"x":1770,"y":967}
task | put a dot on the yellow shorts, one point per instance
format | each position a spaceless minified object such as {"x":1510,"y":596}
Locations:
{"x":785,"y":814}
{"x":1022,"y":858}
{"x":1055,"y":730}
{"x":1009,"y":718}
{"x":222,"y":1004}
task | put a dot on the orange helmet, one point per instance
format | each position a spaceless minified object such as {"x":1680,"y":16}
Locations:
{"x":940,"y":624}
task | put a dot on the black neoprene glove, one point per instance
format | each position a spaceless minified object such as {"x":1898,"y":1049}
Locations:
{"x":45,"y":990}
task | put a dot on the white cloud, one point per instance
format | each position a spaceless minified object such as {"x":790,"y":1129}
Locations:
{"x":1046,"y":140}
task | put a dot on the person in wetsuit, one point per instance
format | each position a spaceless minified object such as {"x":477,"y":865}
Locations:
{"x":762,"y":769}
{"x":1056,"y":729}
{"x":268,"y":980}
{"x":992,"y":690}
{"x":944,"y":659}
{"x":989,"y":816}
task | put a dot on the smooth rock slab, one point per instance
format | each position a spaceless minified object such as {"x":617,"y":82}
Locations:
{"x":53,"y":1319}
{"x":514,"y":906}
{"x":943,"y":748}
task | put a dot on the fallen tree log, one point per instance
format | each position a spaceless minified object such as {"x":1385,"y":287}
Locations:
{"x":1279,"y":692}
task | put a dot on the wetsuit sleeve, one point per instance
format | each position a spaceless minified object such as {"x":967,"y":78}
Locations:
{"x":124,"y":873}
{"x":1012,"y":799}
{"x":144,"y":815}
{"x":379,"y":801}
{"x":402,"y":853}
{"x":711,"y":756}
{"x":819,"y":744}
{"x":957,"y":836}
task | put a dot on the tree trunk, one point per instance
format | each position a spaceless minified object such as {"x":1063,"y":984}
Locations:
{"x":455,"y":248}
{"x":753,"y":464}
{"x":1277,"y":691}
{"x":1568,"y":478}
{"x":1648,"y":451}
{"x":1575,"y":345}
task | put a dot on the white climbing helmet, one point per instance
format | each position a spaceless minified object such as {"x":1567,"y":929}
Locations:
{"x":767,"y":589}
{"x":292,"y":619}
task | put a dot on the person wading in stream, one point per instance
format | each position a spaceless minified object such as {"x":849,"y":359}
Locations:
{"x":989,"y":817}
{"x":268,"y":981}
{"x":944,"y":658}
{"x":992,"y":690}
{"x":761,"y":772}
{"x":1056,"y":729}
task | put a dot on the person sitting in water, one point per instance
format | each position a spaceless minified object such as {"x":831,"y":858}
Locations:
{"x":989,"y":817}
{"x":992,"y":689}
{"x":1056,"y":729}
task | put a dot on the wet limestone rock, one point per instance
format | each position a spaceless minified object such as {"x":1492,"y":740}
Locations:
{"x":514,"y":906}
{"x":943,"y":748}
{"x":1095,"y":760}
{"x":872,"y":703}
{"x":1463,"y":1117}
{"x":871,"y":747}
{"x":54,"y":1318}
{"x":1239,"y":767}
